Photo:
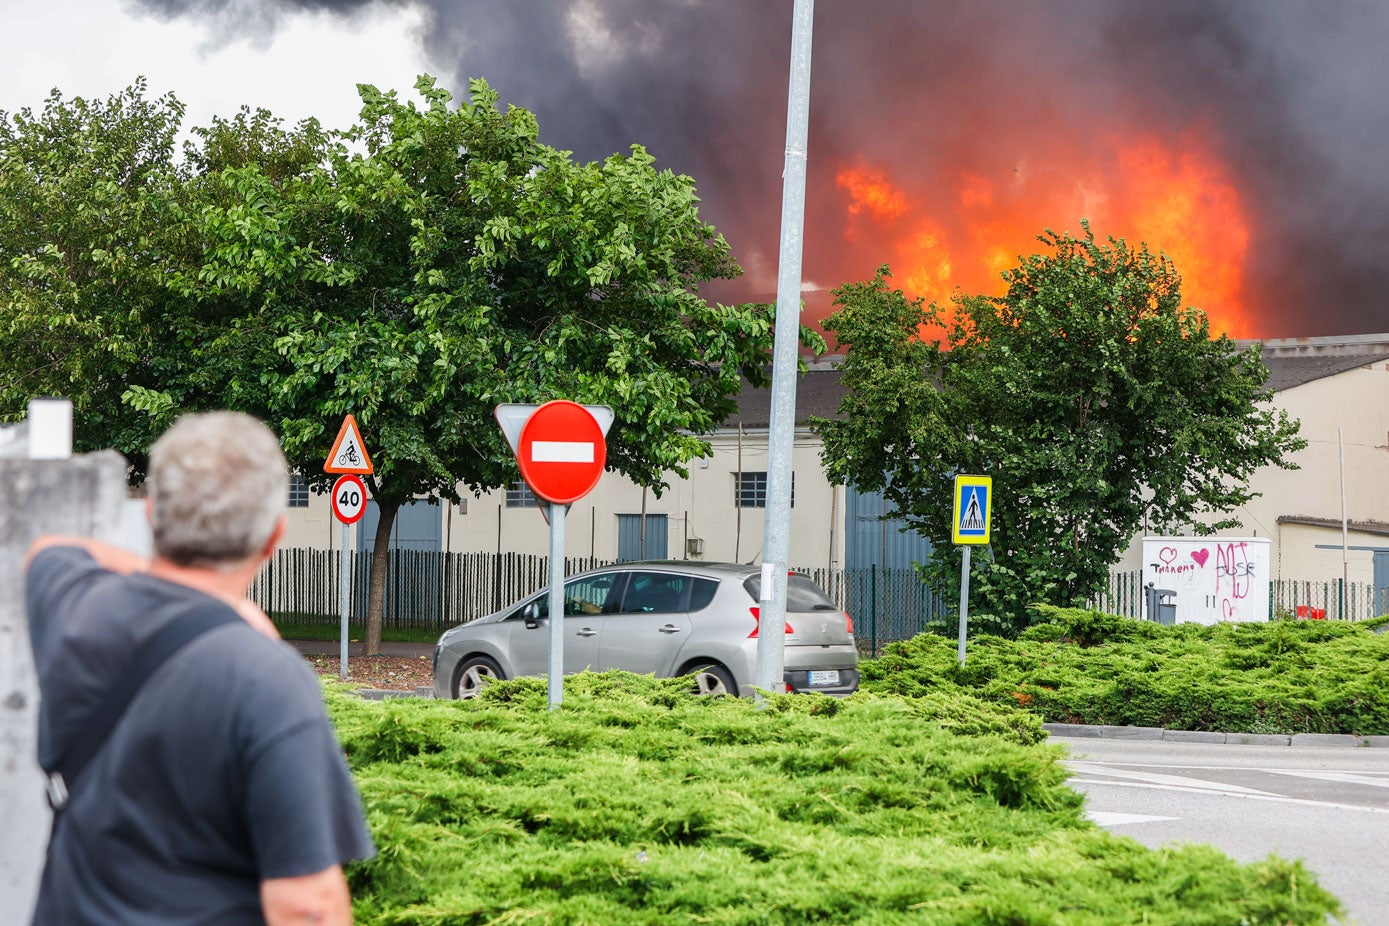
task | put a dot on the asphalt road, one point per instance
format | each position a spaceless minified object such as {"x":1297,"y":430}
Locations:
{"x":1327,"y":805}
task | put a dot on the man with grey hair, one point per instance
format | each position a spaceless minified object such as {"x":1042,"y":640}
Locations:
{"x":219,"y":793}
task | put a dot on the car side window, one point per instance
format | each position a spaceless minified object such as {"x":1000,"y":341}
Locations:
{"x":590,"y":595}
{"x":593,"y":595}
{"x":654,"y":593}
{"x":702,"y":593}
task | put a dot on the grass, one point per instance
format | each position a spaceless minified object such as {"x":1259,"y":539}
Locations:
{"x":636,"y":803}
{"x":292,"y":629}
{"x":1088,"y":667}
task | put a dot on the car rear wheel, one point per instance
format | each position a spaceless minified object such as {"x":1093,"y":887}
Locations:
{"x":474,"y":674}
{"x":713,"y":679}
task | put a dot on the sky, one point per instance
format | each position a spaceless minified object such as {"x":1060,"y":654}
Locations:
{"x":1244,"y":139}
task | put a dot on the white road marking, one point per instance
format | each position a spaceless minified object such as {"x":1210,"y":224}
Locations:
{"x":1348,"y":778}
{"x":1252,"y":796}
{"x":1110,"y":818}
{"x":561,"y":451}
{"x":1095,"y":768}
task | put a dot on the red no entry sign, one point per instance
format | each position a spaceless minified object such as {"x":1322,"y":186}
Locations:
{"x":562,"y":452}
{"x":349,"y":499}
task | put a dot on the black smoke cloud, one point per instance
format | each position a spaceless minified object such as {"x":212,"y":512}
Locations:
{"x":1289,"y":93}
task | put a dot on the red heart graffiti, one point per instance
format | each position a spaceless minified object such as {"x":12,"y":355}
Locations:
{"x":1167,"y":554}
{"x":1201,"y":556}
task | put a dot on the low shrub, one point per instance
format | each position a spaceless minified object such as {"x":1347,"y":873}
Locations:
{"x":1079,"y":666}
{"x":635,"y":803}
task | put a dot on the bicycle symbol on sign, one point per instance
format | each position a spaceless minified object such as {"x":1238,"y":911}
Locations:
{"x":349,"y":457}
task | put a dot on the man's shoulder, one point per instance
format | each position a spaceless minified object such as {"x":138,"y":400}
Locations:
{"x":260,"y":673}
{"x":59,"y":564}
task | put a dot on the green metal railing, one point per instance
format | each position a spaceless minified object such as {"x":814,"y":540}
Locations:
{"x":1335,"y":599}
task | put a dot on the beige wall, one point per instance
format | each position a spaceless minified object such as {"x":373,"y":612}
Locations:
{"x":1358,"y":402}
{"x":314,"y":527}
{"x":700,"y":507}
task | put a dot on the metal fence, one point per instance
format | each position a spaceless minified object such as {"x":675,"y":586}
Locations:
{"x":423,"y":589}
{"x":435,"y":590}
{"x":1334,"y":600}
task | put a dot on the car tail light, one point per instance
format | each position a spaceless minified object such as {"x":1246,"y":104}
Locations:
{"x":757,"y":622}
{"x":848,"y":622}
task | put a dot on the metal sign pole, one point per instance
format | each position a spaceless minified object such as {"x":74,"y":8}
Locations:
{"x":964,"y":601}
{"x":776,"y":547}
{"x":346,"y":589}
{"x":556,"y":685}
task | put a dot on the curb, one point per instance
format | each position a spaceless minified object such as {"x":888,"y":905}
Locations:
{"x":1158,"y":734}
{"x":390,"y":694}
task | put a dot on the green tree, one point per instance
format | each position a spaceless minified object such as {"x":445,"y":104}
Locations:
{"x":90,"y":216}
{"x":1094,"y":400}
{"x":439,"y":260}
{"x":416,"y":270}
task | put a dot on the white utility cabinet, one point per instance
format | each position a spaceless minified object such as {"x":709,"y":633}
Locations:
{"x":1204,"y":580}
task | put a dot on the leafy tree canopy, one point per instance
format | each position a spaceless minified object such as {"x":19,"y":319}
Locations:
{"x":430,"y":262}
{"x":89,"y":213}
{"x":1094,"y":400}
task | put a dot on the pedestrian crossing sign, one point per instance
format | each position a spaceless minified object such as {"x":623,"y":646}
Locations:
{"x":973,"y":509}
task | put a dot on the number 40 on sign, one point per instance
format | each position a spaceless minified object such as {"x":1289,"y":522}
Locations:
{"x":349,"y":499}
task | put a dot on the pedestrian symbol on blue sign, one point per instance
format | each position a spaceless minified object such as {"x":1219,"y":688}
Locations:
{"x":971,"y":519}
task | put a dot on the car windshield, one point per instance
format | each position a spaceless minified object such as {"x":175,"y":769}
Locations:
{"x":801,"y":594}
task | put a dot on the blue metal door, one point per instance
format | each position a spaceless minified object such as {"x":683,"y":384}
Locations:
{"x":885,"y":595}
{"x":414,"y":578}
{"x":876,"y":536}
{"x":418,"y":526}
{"x":629,"y":537}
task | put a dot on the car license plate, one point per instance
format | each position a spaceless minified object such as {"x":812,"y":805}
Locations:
{"x":824,"y":678}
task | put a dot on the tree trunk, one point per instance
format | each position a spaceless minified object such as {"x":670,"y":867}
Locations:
{"x":376,"y":587}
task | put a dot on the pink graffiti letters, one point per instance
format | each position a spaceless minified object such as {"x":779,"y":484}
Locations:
{"x":1232,"y":562}
{"x":1169,"y":565}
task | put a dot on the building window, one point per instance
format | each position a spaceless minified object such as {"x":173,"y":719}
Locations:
{"x":519,"y":495}
{"x":298,"y":492}
{"x":750,"y":490}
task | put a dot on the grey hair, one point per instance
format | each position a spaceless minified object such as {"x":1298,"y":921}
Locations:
{"x":218,"y":483}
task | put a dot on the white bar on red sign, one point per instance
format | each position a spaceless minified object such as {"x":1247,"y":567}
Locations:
{"x":560,"y":451}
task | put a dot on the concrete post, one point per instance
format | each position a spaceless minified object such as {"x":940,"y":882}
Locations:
{"x":83,"y":496}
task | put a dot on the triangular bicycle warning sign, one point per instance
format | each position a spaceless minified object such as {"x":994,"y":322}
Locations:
{"x":349,"y":453}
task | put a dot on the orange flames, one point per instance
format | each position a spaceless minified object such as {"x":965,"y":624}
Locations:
{"x":1178,"y":198}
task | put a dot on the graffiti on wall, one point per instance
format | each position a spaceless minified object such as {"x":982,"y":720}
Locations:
{"x":1210,"y":579}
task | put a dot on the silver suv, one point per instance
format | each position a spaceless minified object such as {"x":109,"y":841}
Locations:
{"x":668,"y":619}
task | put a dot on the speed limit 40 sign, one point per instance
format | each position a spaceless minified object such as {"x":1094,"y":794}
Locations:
{"x":349,"y":499}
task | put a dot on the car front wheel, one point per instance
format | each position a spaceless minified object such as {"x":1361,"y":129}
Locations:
{"x":713,"y":679}
{"x":474,"y":674}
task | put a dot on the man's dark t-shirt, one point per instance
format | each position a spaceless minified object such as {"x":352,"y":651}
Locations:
{"x":222,"y":772}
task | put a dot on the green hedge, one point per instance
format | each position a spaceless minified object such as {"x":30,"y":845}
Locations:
{"x":636,"y":803}
{"x":1087,"y":667}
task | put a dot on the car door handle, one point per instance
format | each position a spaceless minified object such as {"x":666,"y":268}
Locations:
{"x":670,"y":628}
{"x":587,"y":632}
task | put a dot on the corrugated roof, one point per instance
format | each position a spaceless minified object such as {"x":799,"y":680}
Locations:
{"x":1289,"y":371}
{"x":820,"y":388}
{"x":1364,"y":527}
{"x":817,"y":396}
